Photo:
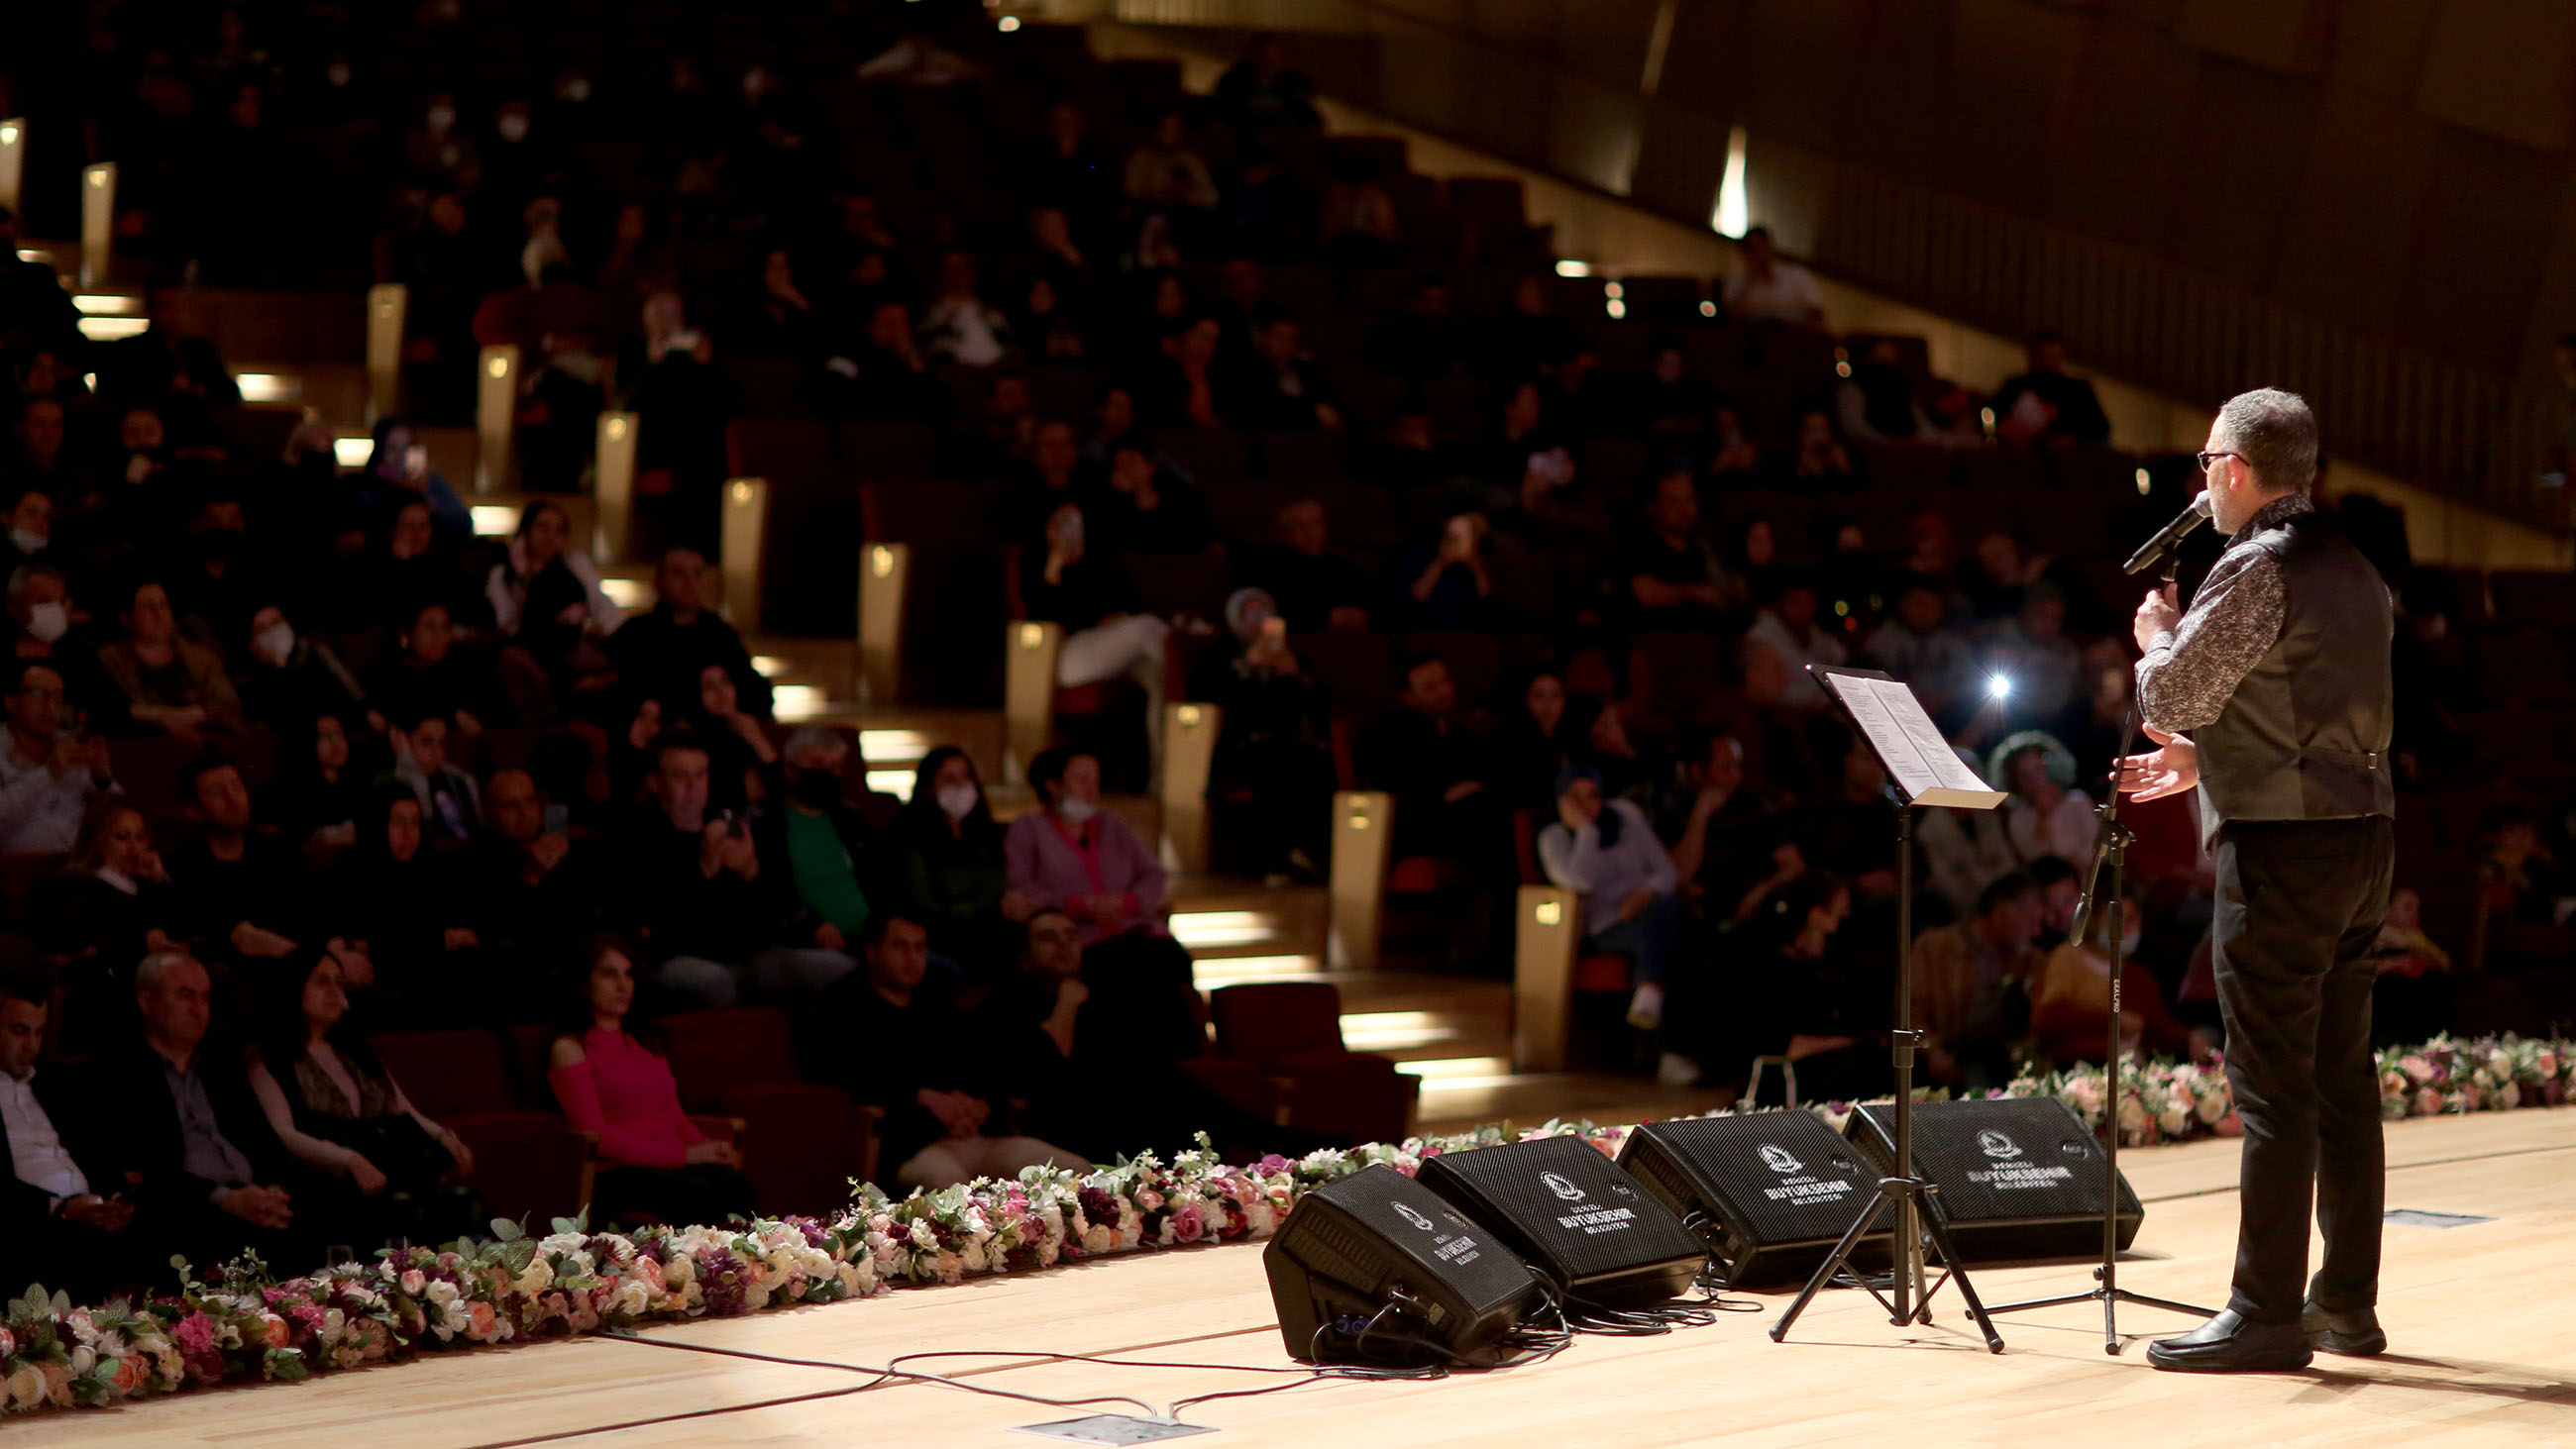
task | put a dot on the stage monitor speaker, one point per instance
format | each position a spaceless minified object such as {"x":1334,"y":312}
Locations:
{"x":2014,"y":1177}
{"x":1591,"y":1232}
{"x":1769,"y":1192}
{"x":1376,"y":1268}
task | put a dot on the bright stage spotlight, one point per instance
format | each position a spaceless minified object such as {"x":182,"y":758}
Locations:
{"x":1999,"y":686}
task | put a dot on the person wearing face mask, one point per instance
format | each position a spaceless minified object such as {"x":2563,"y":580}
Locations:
{"x":1079,"y":859}
{"x":29,"y":516}
{"x":825,"y":843}
{"x":288,"y":681}
{"x":953,"y":876}
{"x":435,"y":150}
{"x":40,"y":627}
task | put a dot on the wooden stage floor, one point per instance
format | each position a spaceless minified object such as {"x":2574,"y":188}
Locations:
{"x":2483,"y":1352}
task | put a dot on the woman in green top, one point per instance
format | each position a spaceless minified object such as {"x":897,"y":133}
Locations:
{"x":953,"y":874}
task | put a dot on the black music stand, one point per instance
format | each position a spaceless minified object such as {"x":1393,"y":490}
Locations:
{"x":2110,"y":849}
{"x":1903,"y":755}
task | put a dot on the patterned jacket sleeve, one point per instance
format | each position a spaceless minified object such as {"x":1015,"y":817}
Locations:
{"x":2190,"y":672}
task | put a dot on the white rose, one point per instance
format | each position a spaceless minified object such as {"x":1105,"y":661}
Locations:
{"x":26,"y":1387}
{"x":539,"y":1277}
{"x":441,"y":1294}
{"x":973,"y":1256}
{"x":84,"y":1358}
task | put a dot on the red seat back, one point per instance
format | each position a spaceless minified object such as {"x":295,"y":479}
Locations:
{"x":447,"y":1073}
{"x":712,"y":1052}
{"x":1269,"y":1020}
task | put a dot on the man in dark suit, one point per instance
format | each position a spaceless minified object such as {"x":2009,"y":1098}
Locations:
{"x":176,"y":1121}
{"x":82,"y":1241}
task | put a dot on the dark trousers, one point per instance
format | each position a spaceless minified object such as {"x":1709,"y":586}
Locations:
{"x":2299,"y":904}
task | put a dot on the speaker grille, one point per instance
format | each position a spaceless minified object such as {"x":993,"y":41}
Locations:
{"x":1585,"y":1225}
{"x":1776,"y":1190}
{"x":2015,"y":1178}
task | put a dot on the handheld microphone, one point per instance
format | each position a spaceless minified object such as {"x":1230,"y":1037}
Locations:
{"x":2171,"y":538}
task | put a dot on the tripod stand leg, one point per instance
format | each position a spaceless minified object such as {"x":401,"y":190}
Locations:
{"x":2125,"y":1296}
{"x":1967,"y":1290}
{"x":1835,"y":1261}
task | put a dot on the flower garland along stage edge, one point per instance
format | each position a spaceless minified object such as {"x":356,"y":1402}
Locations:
{"x":514,"y":1286}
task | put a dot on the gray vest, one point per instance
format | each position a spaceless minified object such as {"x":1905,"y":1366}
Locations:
{"x":2305,"y":737}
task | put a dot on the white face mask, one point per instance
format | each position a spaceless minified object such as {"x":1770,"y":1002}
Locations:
{"x":28,"y":540}
{"x":957,"y":801}
{"x":48,"y":621}
{"x":513,"y":127}
{"x":1075,"y":810}
{"x":274,"y":643}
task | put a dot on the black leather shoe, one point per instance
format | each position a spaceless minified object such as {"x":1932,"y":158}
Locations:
{"x":2356,"y":1333}
{"x":2228,"y":1344}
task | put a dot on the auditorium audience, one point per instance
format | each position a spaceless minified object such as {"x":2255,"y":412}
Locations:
{"x":48,"y":774}
{"x":1607,"y":850}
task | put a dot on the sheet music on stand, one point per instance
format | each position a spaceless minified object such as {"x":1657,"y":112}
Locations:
{"x":1919,"y":760}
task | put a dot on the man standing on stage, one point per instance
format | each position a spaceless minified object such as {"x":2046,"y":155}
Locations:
{"x":2280,"y":674}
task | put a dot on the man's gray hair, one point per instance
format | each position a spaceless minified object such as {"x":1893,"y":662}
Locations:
{"x":2275,"y":434}
{"x":807,"y":739}
{"x":147,"y":977}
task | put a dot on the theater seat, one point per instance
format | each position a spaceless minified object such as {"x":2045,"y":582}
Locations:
{"x":802,"y":1143}
{"x":1292,"y":1030}
{"x":528,"y":1165}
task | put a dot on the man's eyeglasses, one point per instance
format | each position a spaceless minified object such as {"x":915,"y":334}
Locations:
{"x":2208,"y":458}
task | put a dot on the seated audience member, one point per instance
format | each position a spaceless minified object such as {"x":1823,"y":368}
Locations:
{"x":1816,"y":460}
{"x":398,"y":473}
{"x":288,"y":681}
{"x":691,"y":887}
{"x":2070,"y":1013}
{"x":1529,"y":338}
{"x":526,"y":889}
{"x":86,"y":1240}
{"x":2046,"y":815}
{"x":111,"y":903}
{"x":662,"y":1167}
{"x":1277,"y":389}
{"x":1275,"y":747}
{"x":742,"y":765}
{"x":1765,"y":287}
{"x":242,"y":893}
{"x":389,"y":584}
{"x":320,"y":794}
{"x":173,"y":1116}
{"x":956,"y":877}
{"x":1675,"y":579}
{"x":1787,"y":628}
{"x":825,"y":842}
{"x":1608,"y":851}
{"x":1093,"y":598}
{"x":429,"y":675}
{"x":1422,"y":754}
{"x":1813,"y":1004}
{"x":1078,"y":858}
{"x":2045,"y":403}
{"x":1072,"y":1023}
{"x":959,"y":326}
{"x":2046,"y":669}
{"x":1719,"y":830}
{"x":48,"y":773}
{"x":169,"y":684}
{"x":1178,"y":388}
{"x":945,"y":1120}
{"x":1876,"y":404}
{"x":1919,"y":648}
{"x":1965,"y":850}
{"x":1539,"y":738}
{"x":26,"y":527}
{"x":449,"y":803}
{"x":1971,"y":985}
{"x":1314,"y":587}
{"x":2526,"y":883}
{"x":547,"y":595}
{"x":335,"y":1107}
{"x":1144,"y":509}
{"x":411,"y":929}
{"x":1449,"y":586}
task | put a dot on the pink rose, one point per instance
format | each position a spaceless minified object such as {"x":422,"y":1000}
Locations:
{"x":479,"y":1322}
{"x":194,"y":1333}
{"x":8,"y":1341}
{"x":1188,"y":1224}
{"x":414,"y":1280}
{"x":2428,"y":1103}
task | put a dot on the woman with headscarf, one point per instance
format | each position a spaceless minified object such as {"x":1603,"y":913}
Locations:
{"x":1538,"y":739}
{"x":954,"y":876}
{"x":415,"y":927}
{"x":2047,"y":815}
{"x":1607,"y":850}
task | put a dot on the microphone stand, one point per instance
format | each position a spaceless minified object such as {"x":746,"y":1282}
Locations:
{"x":2110,"y":848}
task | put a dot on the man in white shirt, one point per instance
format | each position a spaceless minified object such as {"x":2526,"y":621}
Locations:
{"x":1788,"y":630}
{"x":1769,"y":289}
{"x":50,"y":1213}
{"x":47,"y":777}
